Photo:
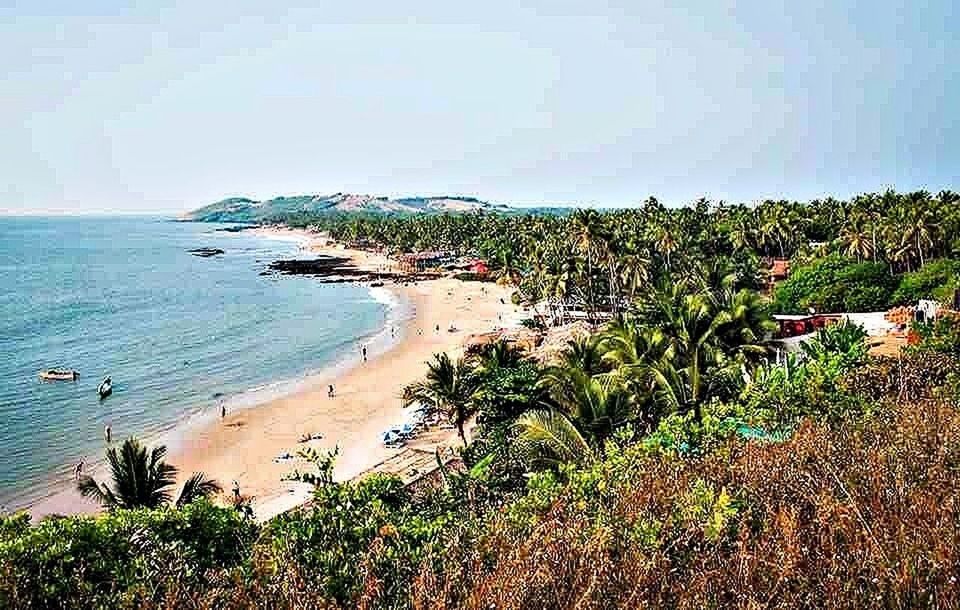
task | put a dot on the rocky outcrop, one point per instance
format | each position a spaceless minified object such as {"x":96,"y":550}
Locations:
{"x":206,"y":252}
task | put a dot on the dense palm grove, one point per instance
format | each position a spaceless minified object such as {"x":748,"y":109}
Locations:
{"x":595,"y":257}
{"x":662,"y":459}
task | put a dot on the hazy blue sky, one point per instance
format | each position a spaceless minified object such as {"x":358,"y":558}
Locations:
{"x":107,"y":107}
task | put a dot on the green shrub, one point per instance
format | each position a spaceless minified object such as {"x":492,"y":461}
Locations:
{"x":121,"y":558}
{"x":843,"y":345}
{"x":940,"y":337}
{"x":508,"y":392}
{"x":835,"y":283}
{"x":935,"y":280}
{"x":686,"y":434}
{"x":371,"y":528}
{"x":533,"y":324}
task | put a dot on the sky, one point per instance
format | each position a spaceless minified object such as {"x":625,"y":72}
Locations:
{"x":163,"y":107}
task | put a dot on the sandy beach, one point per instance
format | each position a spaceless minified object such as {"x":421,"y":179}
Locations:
{"x":244,"y":446}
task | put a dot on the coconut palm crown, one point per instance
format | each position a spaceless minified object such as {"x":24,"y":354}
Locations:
{"x":142,"y":479}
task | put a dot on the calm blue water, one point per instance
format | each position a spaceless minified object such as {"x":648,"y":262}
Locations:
{"x":122,"y":296}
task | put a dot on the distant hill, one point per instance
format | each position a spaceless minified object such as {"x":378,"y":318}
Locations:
{"x":241,"y":209}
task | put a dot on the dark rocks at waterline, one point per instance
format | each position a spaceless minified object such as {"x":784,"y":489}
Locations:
{"x":206,"y":252}
{"x":322,"y":266}
{"x":330,"y":270}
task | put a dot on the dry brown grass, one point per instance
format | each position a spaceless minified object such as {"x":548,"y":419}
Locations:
{"x":864,"y":515}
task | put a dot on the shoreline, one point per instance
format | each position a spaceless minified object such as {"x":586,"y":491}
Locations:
{"x":244,"y":446}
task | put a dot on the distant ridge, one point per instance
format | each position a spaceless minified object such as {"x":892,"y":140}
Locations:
{"x":241,"y":209}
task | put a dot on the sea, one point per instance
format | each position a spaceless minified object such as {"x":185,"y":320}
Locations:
{"x":177,"y":333}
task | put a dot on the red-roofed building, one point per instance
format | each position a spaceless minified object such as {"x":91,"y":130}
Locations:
{"x":779,"y":269}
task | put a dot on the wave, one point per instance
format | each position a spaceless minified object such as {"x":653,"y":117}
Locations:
{"x":385,"y":296}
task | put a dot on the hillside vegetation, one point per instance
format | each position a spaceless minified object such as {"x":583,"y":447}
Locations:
{"x":665,"y":459}
{"x":241,"y":209}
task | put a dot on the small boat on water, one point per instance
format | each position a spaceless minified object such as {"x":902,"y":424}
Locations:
{"x":59,"y":375}
{"x":106,"y":388}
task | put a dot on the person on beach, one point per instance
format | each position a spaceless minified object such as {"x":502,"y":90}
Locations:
{"x":363,"y":352}
{"x":223,"y":409}
{"x":107,"y":433}
{"x":78,"y":471}
{"x":330,"y":391}
{"x":236,"y":490}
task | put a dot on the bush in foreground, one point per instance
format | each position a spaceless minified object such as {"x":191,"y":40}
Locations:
{"x":861,"y":515}
{"x":126,"y":558}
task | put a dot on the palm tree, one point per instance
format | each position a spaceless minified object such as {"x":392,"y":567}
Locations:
{"x":921,"y":223}
{"x":856,"y":239}
{"x":498,"y":356}
{"x":588,"y":229}
{"x":197,"y":486}
{"x":448,"y":388}
{"x":610,"y":250}
{"x":583,"y":353}
{"x":508,"y":273}
{"x":597,"y":404}
{"x":743,"y":323}
{"x":550,"y":437}
{"x":667,"y":240}
{"x":743,"y":232}
{"x":691,"y":329}
{"x":141,"y":479}
{"x":587,"y":410}
{"x":690,"y":354}
{"x":634,"y":273}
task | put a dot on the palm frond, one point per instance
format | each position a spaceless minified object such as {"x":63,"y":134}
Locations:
{"x":89,"y":488}
{"x":549,"y":436}
{"x":196,"y":487}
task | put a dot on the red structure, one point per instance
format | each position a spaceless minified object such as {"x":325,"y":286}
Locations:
{"x":779,"y":270}
{"x":794,"y":326}
{"x":479,"y":267}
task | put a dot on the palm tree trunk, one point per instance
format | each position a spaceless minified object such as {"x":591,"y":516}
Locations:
{"x":590,"y":313}
{"x":614,"y":296}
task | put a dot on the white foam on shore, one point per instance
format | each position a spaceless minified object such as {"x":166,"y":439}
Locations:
{"x":384,"y":295}
{"x":177,"y":434}
{"x":345,"y":358}
{"x":302,"y":238}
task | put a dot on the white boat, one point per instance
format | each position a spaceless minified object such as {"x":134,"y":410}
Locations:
{"x":106,"y":388}
{"x":59,"y":375}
